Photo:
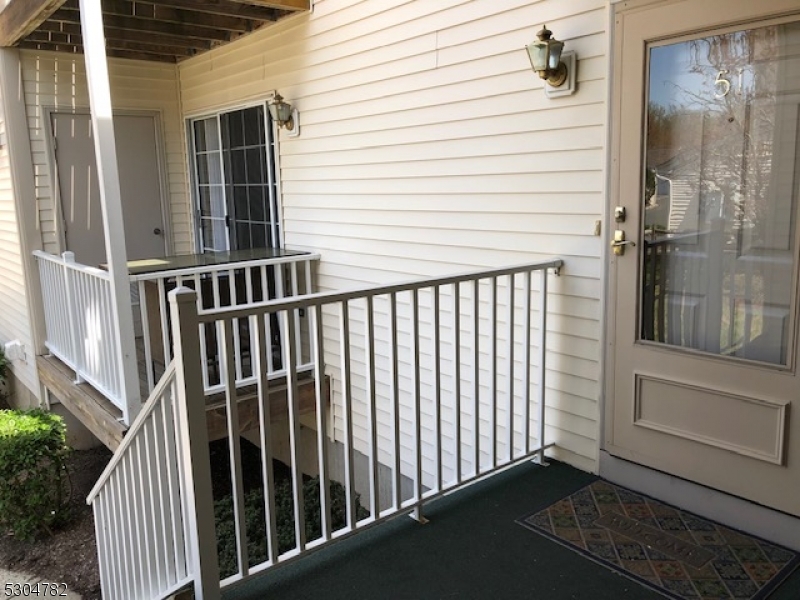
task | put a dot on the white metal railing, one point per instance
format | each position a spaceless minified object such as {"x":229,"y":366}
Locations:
{"x":239,"y":284}
{"x":78,"y":315}
{"x":434,"y":384}
{"x":139,"y":509}
{"x":153,"y":503}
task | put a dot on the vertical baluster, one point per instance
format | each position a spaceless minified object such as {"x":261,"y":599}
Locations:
{"x":294,"y":430}
{"x":476,"y":374}
{"x":295,"y":283}
{"x":347,"y":401}
{"x":395,"y":391}
{"x":102,"y":531}
{"x":110,"y":333}
{"x":510,"y":372}
{"x":280,"y":292}
{"x":322,"y":421}
{"x":493,"y":370}
{"x":126,"y":539}
{"x":309,"y":289}
{"x":437,"y":386}
{"x":260,"y":353}
{"x":542,"y":362}
{"x":225,"y":334}
{"x":268,"y":322}
{"x":457,"y":376}
{"x":248,"y":283}
{"x":152,"y":516}
{"x":237,"y":342}
{"x":158,"y":466}
{"x":526,"y":362}
{"x":144,"y":313}
{"x":166,"y":347}
{"x":416,"y":397}
{"x":174,"y":476}
{"x":140,"y":512}
{"x":72,"y":314}
{"x":369,"y":349}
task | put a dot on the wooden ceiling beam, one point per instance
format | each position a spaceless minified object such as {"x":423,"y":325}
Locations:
{"x":145,"y":26}
{"x":112,"y":33}
{"x":229,"y":8}
{"x":21,"y":17}
{"x":151,"y":13}
{"x":292,"y":5}
{"x":167,"y":30}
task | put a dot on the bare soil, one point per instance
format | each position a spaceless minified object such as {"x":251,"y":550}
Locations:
{"x":69,"y":555}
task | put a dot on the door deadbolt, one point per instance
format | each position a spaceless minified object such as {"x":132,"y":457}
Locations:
{"x":620,"y":242}
{"x":619,"y":214}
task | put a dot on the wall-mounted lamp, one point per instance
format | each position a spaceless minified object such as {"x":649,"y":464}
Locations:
{"x":546,"y":55}
{"x":284,"y":115}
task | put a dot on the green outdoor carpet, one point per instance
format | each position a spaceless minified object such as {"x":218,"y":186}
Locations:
{"x":472,"y":549}
{"x":674,"y":552}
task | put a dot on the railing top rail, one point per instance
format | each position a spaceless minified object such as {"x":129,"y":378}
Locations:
{"x":231,"y":266}
{"x":322,"y":298}
{"x":75,"y":266}
{"x":130,"y":436}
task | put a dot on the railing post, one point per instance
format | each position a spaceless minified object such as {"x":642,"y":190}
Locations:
{"x":193,"y":441}
{"x":540,"y":458}
{"x":77,"y":347}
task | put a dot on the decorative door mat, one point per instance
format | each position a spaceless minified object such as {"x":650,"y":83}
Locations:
{"x":672,"y":551}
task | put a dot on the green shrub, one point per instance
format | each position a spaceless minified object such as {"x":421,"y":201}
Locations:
{"x":284,"y":508}
{"x":33,"y":476}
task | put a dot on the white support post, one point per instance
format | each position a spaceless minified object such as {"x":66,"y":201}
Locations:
{"x":193,"y":446}
{"x":94,"y":47}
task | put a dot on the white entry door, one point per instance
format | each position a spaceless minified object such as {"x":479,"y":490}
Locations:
{"x":702,"y":380}
{"x":140,"y":183}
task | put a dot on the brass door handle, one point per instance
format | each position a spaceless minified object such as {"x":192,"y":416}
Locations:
{"x":619,"y":242}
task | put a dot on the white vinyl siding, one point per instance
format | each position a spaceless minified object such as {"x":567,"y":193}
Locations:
{"x":428,"y":147}
{"x":14,"y":317}
{"x":58,"y":81}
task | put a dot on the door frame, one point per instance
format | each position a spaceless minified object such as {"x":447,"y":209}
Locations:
{"x":725,"y":508}
{"x":52,"y":166}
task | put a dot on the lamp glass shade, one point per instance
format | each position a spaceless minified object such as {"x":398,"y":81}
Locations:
{"x":554,"y":54}
{"x":538,"y":52}
{"x":280,"y":111}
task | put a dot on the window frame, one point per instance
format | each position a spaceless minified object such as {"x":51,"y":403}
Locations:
{"x":271,"y":170}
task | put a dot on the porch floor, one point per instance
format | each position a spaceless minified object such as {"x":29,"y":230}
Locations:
{"x":471,"y":549}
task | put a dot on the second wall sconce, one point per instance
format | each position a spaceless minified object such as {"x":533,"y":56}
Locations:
{"x":556,"y":67}
{"x":285,"y":115}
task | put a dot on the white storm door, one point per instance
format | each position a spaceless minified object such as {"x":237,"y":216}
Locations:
{"x":703,"y":331}
{"x":140,"y":183}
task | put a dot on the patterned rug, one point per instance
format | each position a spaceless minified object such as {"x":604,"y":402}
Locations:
{"x":672,"y":551}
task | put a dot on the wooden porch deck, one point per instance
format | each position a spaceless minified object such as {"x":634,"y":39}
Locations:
{"x":104,"y":419}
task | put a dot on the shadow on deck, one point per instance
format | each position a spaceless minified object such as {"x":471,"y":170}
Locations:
{"x":471,"y":549}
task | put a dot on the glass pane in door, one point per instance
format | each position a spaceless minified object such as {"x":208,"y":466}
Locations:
{"x":720,"y":193}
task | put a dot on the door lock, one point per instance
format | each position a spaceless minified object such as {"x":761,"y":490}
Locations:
{"x":620,"y":214}
{"x":620,"y":242}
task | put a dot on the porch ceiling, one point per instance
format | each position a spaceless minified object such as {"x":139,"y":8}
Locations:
{"x":157,"y":30}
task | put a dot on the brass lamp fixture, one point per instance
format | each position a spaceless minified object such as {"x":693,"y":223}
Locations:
{"x":545,"y":54}
{"x":284,"y":114}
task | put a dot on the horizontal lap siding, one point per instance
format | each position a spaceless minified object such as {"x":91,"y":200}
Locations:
{"x":59,"y":80}
{"x":428,"y":147}
{"x":14,"y":317}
